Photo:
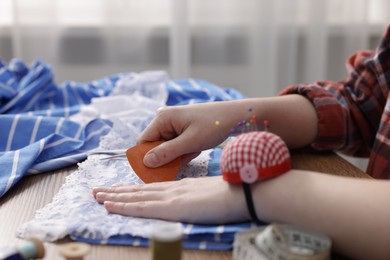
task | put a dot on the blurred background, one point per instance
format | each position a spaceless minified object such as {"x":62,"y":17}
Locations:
{"x":255,"y":46}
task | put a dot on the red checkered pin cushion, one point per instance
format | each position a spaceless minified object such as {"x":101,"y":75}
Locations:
{"x":254,"y":156}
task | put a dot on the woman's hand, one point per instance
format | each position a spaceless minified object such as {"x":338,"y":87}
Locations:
{"x":188,"y":130}
{"x":204,"y":200}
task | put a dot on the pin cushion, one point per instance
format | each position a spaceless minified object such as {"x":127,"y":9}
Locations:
{"x":254,"y":156}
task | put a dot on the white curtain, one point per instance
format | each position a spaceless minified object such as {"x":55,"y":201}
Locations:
{"x":255,"y":46}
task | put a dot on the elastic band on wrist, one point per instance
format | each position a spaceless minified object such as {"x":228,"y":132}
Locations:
{"x":249,"y":202}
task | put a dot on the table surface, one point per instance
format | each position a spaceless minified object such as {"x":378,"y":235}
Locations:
{"x":34,"y":192}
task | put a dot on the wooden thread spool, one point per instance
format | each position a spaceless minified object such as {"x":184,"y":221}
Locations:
{"x":166,"y":242}
{"x":74,"y":250}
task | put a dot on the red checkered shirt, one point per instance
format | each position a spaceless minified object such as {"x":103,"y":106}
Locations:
{"x":354,"y":114}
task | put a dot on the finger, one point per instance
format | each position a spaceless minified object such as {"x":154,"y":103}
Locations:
{"x":161,"y":127}
{"x":129,"y":196}
{"x":104,"y":189}
{"x":185,"y":159}
{"x":170,"y":150}
{"x":143,"y":209}
{"x":151,"y":132}
{"x":119,"y":184}
{"x":95,"y":190}
{"x":155,"y":186}
{"x":156,"y":133}
{"x":113,"y":189}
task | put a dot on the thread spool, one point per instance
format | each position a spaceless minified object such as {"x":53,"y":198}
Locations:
{"x":166,"y":241}
{"x":30,"y":249}
{"x":74,"y":250}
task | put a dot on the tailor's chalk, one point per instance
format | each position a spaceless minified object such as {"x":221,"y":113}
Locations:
{"x":30,"y":249}
{"x":166,"y":241}
{"x":135,"y":156}
{"x":74,"y":250}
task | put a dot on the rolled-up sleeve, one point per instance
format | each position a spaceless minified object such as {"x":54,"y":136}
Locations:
{"x":349,"y":111}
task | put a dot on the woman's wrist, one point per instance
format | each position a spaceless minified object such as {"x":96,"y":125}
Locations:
{"x":274,"y":197}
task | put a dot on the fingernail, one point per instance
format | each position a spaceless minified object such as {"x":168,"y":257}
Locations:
{"x":95,"y":190}
{"x":150,"y":160}
{"x":108,"y":204}
{"x":117,"y":185}
{"x":100,"y":195}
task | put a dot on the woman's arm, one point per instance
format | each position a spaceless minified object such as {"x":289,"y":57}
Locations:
{"x":355,"y":213}
{"x":191,"y":129}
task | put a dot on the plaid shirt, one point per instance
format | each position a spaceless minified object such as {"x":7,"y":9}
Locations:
{"x":354,"y":114}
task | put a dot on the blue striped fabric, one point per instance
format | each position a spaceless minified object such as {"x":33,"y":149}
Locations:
{"x":36,"y":134}
{"x":199,"y":237}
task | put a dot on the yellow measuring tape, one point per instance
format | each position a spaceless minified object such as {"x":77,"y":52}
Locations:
{"x":281,"y":242}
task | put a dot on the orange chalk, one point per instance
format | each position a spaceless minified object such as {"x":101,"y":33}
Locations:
{"x":135,"y":156}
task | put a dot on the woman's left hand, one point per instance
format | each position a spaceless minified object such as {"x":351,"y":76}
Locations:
{"x":204,"y":200}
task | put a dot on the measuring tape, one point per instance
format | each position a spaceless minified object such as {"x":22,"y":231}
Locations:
{"x":281,"y":242}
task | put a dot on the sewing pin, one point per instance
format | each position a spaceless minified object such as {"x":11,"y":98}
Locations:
{"x":266,"y":125}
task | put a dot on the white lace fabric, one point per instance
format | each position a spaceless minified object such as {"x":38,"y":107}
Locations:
{"x":74,"y":211}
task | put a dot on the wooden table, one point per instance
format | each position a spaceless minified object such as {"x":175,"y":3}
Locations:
{"x":19,"y":205}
